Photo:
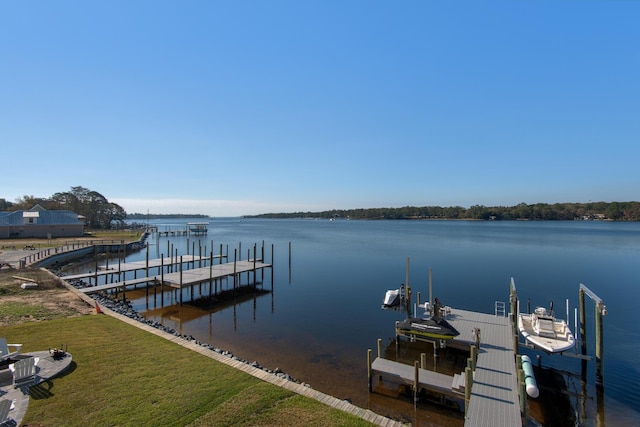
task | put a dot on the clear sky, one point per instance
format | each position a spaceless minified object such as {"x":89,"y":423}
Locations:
{"x":243,"y":107}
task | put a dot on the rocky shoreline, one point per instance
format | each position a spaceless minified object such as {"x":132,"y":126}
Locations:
{"x":125,"y":309}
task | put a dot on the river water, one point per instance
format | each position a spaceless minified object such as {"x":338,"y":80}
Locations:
{"x":329,"y":279}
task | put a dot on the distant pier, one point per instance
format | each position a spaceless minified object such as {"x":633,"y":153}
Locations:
{"x":177,"y":272}
{"x":191,"y":228}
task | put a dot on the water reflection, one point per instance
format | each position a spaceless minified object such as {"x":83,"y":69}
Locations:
{"x":329,"y":287}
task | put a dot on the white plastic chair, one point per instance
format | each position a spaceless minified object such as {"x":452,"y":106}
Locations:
{"x":4,"y":349}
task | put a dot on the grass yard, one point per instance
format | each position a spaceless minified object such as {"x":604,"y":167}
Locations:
{"x":123,"y":376}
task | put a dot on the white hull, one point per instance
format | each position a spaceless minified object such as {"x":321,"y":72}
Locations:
{"x":555,"y":339}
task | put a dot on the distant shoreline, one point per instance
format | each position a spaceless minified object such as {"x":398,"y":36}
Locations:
{"x":596,"y":211}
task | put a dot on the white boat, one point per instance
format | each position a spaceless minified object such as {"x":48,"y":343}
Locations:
{"x":393,"y":297}
{"x":542,"y":330}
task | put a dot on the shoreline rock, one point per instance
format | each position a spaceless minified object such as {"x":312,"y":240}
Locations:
{"x":127,"y":310}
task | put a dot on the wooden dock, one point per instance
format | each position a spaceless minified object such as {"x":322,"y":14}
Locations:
{"x":493,"y":398}
{"x":394,"y":373}
{"x":135,"y":266}
{"x":185,"y":278}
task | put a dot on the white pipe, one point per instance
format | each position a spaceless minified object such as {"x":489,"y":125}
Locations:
{"x":567,"y":311}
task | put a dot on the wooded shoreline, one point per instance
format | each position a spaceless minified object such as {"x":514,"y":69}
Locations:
{"x":603,"y":211}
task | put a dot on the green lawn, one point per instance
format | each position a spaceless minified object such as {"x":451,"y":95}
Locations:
{"x":124,"y":376}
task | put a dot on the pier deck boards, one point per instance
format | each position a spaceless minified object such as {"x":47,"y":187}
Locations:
{"x":494,"y":397}
{"x":494,"y":394}
{"x":140,"y":265}
{"x":189,"y":277}
{"x":400,"y":372}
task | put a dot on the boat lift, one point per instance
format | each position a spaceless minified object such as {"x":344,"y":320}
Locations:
{"x":601,"y":310}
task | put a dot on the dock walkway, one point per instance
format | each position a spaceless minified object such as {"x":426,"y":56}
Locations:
{"x":402,"y":373}
{"x":494,"y":394}
{"x":185,"y":278}
{"x":494,"y":399}
{"x":124,"y":267}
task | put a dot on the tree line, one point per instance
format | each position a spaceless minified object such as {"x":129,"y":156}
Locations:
{"x":613,"y":211}
{"x":98,"y":212}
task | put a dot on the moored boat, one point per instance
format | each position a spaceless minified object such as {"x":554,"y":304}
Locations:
{"x":430,"y":327}
{"x":393,"y":297}
{"x":542,"y":330}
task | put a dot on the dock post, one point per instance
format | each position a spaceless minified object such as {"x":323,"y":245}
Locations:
{"x":599,"y":347}
{"x":467,"y":389}
{"x":515,"y":344}
{"x":170,"y":251}
{"x":423,"y":360}
{"x":369,"y":369}
{"x":418,"y":298}
{"x":408,"y":289}
{"x":262,"y":260}
{"x":397,"y":339}
{"x":416,"y":382}
{"x":162,"y":280}
{"x":379,"y":347}
{"x":147,"y":270}
{"x":522,"y":390}
{"x":95,"y":258}
{"x":180,"y":277}
{"x":583,"y":328}
{"x":474,"y":357}
{"x":523,"y":399}
{"x":210,"y":271}
{"x":235,"y":252}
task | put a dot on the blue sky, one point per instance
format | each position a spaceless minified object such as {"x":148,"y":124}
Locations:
{"x":247,"y":107}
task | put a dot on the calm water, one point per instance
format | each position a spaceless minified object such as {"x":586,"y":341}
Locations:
{"x":325,"y":312}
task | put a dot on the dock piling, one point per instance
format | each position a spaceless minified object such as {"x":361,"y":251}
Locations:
{"x":369,"y":369}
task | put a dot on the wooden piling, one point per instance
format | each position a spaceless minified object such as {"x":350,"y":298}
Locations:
{"x":583,"y":321}
{"x":289,"y":262}
{"x":599,"y":347}
{"x":379,"y":347}
{"x":180,"y":267}
{"x":407,"y":289}
{"x":235,"y":276}
{"x":147,"y":271}
{"x":369,"y":377}
{"x":162,"y":280}
{"x":467,"y":389}
{"x":416,"y":381}
{"x":474,"y":357}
